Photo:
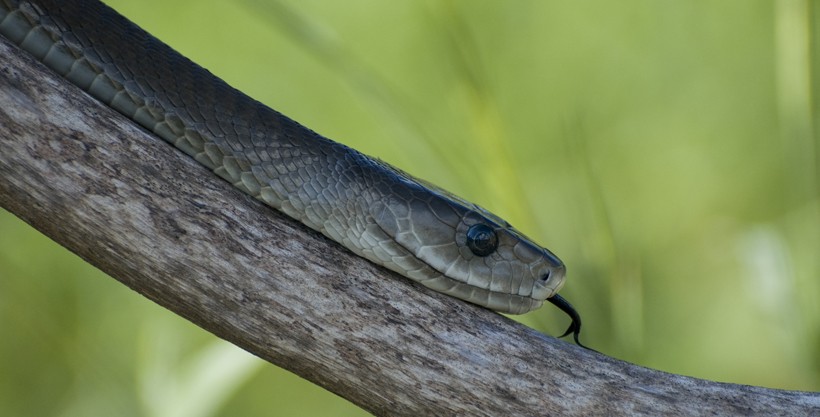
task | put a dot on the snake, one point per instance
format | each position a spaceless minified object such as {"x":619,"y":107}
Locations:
{"x":375,"y":210}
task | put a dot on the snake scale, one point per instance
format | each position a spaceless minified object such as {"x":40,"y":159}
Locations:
{"x":373,"y":209}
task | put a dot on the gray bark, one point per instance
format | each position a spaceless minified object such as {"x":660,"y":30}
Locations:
{"x":163,"y":225}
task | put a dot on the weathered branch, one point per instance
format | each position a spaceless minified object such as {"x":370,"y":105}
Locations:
{"x":160,"y":223}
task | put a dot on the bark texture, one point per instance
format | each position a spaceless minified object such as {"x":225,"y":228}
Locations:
{"x":163,"y":225}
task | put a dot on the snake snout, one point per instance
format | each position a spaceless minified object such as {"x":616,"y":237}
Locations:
{"x":556,"y":272}
{"x":549,"y":281}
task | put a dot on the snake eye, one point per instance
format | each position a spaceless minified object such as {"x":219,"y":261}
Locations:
{"x":481,"y":239}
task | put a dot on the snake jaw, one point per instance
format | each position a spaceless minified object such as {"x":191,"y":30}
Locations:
{"x":575,"y":326}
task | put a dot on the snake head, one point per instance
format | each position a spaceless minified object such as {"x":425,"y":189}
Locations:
{"x":463,"y":250}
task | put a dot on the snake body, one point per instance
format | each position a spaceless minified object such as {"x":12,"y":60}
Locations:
{"x":373,"y":209}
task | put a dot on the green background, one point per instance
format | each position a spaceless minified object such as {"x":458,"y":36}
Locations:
{"x":666,"y":151}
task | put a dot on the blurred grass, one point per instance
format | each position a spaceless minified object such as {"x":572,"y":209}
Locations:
{"x":667,"y":151}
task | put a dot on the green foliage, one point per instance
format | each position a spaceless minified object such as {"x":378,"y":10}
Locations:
{"x":666,"y":151}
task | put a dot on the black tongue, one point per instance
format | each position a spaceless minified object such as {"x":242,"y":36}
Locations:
{"x":575,"y":326}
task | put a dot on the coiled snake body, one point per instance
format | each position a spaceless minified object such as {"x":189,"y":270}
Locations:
{"x":373,"y":209}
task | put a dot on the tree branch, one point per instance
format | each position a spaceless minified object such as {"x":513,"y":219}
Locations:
{"x":158,"y":222}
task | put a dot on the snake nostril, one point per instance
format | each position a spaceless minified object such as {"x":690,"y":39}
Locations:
{"x":546,"y":276}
